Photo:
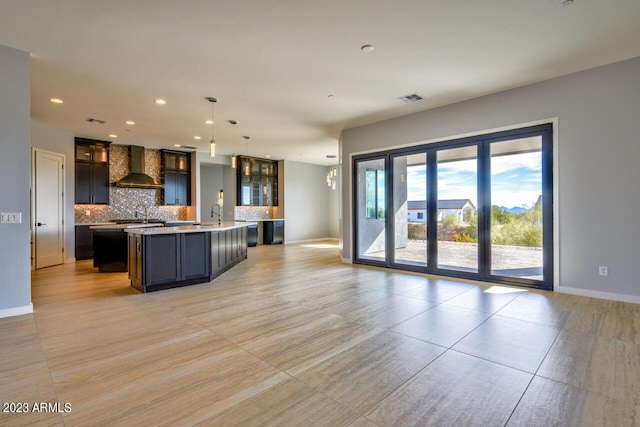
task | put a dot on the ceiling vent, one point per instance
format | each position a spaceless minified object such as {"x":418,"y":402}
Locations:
{"x":410,"y":98}
{"x":188,"y":147}
{"x":100,"y":122}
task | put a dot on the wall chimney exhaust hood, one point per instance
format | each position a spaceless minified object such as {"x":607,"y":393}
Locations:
{"x":137,"y":178}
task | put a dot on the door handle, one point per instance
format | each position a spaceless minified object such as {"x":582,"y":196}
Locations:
{"x":40,"y":224}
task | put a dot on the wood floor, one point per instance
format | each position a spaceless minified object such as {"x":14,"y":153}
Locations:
{"x":292,"y":336}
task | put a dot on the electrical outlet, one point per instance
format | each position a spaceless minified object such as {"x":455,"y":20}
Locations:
{"x":603,"y":270}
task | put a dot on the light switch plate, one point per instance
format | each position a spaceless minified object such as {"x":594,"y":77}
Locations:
{"x":10,"y":218}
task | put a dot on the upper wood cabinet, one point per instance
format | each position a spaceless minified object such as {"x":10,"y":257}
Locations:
{"x":176,"y":177}
{"x":91,"y":171}
{"x":257,"y":182}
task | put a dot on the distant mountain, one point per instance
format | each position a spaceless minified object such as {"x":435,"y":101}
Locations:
{"x":513,"y":210}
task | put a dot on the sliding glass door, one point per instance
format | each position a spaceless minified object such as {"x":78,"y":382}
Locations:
{"x":371,"y":210}
{"x":477,"y":208}
{"x":516,"y":208}
{"x":457,"y":217}
{"x":410,"y":209}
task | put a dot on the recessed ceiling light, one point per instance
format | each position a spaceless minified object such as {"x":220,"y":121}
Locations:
{"x":567,"y":3}
{"x":329,"y":96}
{"x":366,"y":48}
{"x":209,"y":122}
{"x":177,"y":145}
{"x":130,"y":122}
{"x":268,"y":156}
{"x":160,"y":101}
{"x":56,"y":100}
{"x":197,"y":137}
{"x":331,"y":156}
{"x":113,"y":135}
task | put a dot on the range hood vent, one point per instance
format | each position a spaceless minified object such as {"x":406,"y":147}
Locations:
{"x":137,"y":178}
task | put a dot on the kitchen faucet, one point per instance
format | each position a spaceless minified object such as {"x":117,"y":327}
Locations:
{"x":215,"y":205}
{"x":146,"y":213}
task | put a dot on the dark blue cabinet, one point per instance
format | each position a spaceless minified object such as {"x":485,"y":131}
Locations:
{"x":169,"y":260}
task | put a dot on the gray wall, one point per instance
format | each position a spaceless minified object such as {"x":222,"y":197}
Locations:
{"x":597,"y":148}
{"x":211,"y":182}
{"x":306,"y":210}
{"x":229,"y":204}
{"x":198,"y":205}
{"x":15,"y":276}
{"x":61,"y":142}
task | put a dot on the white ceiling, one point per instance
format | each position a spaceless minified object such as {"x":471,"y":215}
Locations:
{"x":272,"y":64}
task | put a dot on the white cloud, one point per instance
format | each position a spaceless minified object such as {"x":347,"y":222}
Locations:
{"x":516,"y":180}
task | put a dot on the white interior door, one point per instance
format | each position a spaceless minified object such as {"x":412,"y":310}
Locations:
{"x":48,"y":219}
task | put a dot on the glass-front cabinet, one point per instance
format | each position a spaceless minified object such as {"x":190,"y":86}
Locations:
{"x":91,"y":171}
{"x":176,"y":176}
{"x":257,"y":182}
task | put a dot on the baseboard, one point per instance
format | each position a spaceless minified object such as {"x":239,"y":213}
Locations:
{"x":598,"y":294}
{"x":322,"y":239}
{"x":69,"y":260}
{"x":16,"y":311}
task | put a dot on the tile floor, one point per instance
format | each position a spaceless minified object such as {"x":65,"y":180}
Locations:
{"x":292,"y":336}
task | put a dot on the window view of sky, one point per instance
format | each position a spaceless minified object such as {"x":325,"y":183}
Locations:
{"x":515,"y":180}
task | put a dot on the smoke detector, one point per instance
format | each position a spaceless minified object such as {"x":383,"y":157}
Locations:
{"x":92,"y":120}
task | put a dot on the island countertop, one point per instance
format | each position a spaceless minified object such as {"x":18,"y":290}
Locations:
{"x":113,"y":226}
{"x":212,"y":227}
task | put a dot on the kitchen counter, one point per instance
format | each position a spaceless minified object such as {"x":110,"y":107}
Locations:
{"x":203,"y":227}
{"x":113,"y":226}
{"x":169,"y":257}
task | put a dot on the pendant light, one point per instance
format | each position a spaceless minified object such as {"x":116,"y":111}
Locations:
{"x":246,"y":164}
{"x":233,"y":156}
{"x":212,"y":143}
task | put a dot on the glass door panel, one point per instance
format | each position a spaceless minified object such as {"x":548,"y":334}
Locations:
{"x":371,"y":210}
{"x":457,"y":208}
{"x":516,"y":208}
{"x":410,"y":209}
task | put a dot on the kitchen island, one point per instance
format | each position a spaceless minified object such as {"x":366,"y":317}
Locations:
{"x":169,"y":257}
{"x":109,"y":244}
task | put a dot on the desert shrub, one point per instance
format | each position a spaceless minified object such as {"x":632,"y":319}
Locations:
{"x":464,"y":238}
{"x":517,"y":233}
{"x":450,"y":221}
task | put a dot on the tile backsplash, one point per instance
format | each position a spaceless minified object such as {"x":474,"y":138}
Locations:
{"x":123,"y":201}
{"x":255,"y":212}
